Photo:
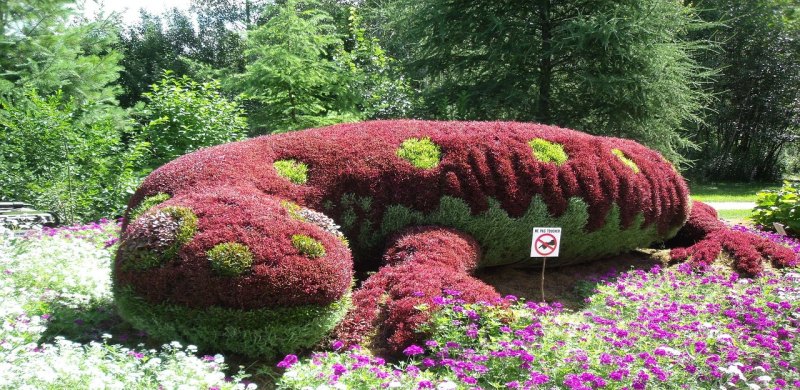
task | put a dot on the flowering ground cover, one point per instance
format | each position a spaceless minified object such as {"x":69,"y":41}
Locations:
{"x":673,"y":327}
{"x":663,"y":328}
{"x":57,"y":283}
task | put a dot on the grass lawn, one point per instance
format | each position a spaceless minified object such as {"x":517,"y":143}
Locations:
{"x":729,"y":192}
{"x":736,"y":216}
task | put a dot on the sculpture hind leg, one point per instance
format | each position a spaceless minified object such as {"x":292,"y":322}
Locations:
{"x":232,"y":269}
{"x":704,"y":239}
{"x":422,"y":263}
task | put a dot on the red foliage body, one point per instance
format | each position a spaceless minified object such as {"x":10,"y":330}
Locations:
{"x":479,"y":160}
{"x":702,"y":221}
{"x":748,"y":251}
{"x":421,"y":264}
{"x":235,"y":193}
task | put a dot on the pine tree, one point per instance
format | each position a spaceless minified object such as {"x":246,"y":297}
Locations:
{"x":293,"y":71}
{"x":622,"y":68}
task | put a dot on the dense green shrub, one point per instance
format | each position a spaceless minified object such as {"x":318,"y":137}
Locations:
{"x":259,"y":332}
{"x":182,"y":115}
{"x":781,"y":206}
{"x":66,"y":156}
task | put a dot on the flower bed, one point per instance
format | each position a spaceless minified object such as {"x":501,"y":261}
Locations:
{"x":674,"y":328}
{"x":57,"y":282}
{"x":215,"y":251}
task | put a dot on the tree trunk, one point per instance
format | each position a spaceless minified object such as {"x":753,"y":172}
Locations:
{"x":545,"y":63}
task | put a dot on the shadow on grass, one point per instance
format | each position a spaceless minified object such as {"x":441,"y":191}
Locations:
{"x":90,"y":322}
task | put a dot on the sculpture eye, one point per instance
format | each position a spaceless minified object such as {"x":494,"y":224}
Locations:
{"x":156,"y":237}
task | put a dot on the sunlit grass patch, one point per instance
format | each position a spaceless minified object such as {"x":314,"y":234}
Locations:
{"x":728,"y":192}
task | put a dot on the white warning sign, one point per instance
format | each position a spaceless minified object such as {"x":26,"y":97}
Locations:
{"x":546,"y":242}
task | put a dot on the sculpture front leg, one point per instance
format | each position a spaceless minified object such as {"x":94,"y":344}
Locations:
{"x":422,"y":263}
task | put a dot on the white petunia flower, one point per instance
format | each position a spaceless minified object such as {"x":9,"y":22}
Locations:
{"x":448,"y":385}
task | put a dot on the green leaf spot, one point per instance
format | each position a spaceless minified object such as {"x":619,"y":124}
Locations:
{"x":230,"y":258}
{"x":294,"y":171}
{"x":293,"y":209}
{"x":421,"y":153}
{"x":548,"y":152}
{"x":308,"y":246}
{"x":625,"y":160}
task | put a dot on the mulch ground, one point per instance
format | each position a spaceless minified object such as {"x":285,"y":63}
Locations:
{"x":567,"y":284}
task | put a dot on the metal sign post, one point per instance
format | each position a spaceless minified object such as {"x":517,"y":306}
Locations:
{"x":546,"y":243}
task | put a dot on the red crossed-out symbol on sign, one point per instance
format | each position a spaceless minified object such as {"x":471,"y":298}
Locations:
{"x":545,"y":244}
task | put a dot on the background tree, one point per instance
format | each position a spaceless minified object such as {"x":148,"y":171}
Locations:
{"x":621,"y":68}
{"x":200,"y":45}
{"x":292,"y":71}
{"x":43,"y":52}
{"x":61,"y":160}
{"x":150,"y":47}
{"x":238,"y":14}
{"x":756,"y":116}
{"x":60,"y":125}
{"x":385,"y":91}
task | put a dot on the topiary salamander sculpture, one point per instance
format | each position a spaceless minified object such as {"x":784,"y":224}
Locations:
{"x":238,"y":247}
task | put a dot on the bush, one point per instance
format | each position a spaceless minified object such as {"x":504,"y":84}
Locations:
{"x":182,"y":115}
{"x":481,"y":178}
{"x":781,"y":206}
{"x":65,"y":156}
{"x":239,"y":283}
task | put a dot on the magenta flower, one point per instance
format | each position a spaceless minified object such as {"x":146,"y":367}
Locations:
{"x":288,"y":361}
{"x":413,"y":350}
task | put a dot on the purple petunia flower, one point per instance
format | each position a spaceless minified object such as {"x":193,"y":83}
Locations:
{"x":413,"y":350}
{"x":425,"y":385}
{"x":288,"y":361}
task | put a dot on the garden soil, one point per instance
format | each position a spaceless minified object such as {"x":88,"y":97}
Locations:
{"x":569,"y":285}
